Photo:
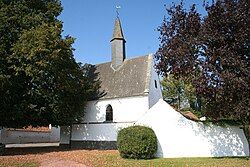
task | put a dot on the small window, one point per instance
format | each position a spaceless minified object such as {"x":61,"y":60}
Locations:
{"x":155,"y":84}
{"x":109,"y":113}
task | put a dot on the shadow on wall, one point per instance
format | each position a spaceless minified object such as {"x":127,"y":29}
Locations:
{"x":95,"y":113}
{"x":96,"y":136}
{"x":97,"y":132}
{"x":159,"y":152}
{"x":11,"y":136}
{"x":65,"y":134}
{"x":222,"y":140}
{"x":180,"y":137}
{"x":93,"y":78}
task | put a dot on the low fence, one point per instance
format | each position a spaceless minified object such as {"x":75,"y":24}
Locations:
{"x":13,"y":136}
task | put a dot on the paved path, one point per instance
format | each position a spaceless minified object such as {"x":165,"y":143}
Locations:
{"x":57,"y":162}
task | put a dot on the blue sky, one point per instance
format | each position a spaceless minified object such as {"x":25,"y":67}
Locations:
{"x":91,"y":22}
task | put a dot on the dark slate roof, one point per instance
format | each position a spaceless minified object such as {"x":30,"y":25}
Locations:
{"x":130,"y":79}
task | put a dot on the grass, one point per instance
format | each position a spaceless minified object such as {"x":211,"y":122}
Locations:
{"x":112,"y":159}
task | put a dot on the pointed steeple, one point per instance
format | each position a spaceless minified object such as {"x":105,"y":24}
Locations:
{"x":117,"y":34}
{"x":117,"y":45}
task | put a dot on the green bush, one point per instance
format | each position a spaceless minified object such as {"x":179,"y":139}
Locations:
{"x":137,"y":142}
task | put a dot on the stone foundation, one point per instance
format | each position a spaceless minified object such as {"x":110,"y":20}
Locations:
{"x":91,"y":145}
{"x":64,"y":146}
{"x":2,"y":148}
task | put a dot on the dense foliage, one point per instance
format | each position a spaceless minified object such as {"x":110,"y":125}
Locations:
{"x":178,"y":93}
{"x":40,"y":81}
{"x":211,"y":53}
{"x":137,"y":142}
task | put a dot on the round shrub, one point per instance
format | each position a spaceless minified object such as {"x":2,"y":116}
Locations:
{"x":137,"y":142}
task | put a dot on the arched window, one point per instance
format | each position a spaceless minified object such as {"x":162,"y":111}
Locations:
{"x":156,"y":84}
{"x":109,"y":113}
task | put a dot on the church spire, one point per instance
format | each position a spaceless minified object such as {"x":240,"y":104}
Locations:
{"x":117,"y":45}
{"x":117,"y":34}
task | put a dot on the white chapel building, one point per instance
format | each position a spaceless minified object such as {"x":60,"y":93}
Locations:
{"x":133,"y":96}
{"x":130,"y":86}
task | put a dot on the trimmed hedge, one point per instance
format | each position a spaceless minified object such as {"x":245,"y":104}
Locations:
{"x":137,"y":142}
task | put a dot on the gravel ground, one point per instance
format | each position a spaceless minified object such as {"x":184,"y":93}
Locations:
{"x":59,"y":162}
{"x":50,"y":157}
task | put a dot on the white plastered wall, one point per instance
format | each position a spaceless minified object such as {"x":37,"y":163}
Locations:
{"x":180,"y":137}
{"x":23,"y":137}
{"x":65,"y":134}
{"x":155,"y":91}
{"x":126,"y":111}
{"x":97,"y":132}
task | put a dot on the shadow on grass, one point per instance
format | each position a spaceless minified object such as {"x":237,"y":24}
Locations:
{"x":235,"y":157}
{"x":43,"y":150}
{"x":34,"y":150}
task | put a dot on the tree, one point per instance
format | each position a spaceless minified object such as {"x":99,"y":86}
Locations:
{"x":40,"y":81}
{"x":178,"y":51}
{"x":226,"y":37}
{"x":213,"y":53}
{"x":178,"y":92}
{"x":178,"y":55}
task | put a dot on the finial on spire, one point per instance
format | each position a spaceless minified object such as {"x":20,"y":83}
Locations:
{"x":117,"y":7}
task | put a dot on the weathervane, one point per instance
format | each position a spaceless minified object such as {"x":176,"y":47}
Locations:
{"x":117,"y":10}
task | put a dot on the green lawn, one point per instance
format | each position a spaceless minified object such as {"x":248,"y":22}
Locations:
{"x":111,"y":159}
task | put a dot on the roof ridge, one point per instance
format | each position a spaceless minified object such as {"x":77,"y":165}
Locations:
{"x":137,"y":57}
{"x":125,"y":59}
